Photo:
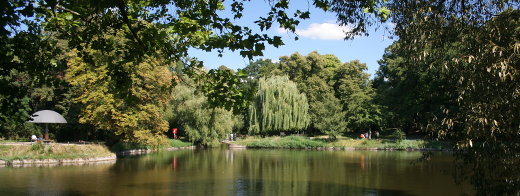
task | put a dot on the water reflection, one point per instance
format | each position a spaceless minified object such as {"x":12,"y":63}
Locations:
{"x":244,"y":172}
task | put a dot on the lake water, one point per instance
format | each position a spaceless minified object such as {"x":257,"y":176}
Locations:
{"x":244,"y":172}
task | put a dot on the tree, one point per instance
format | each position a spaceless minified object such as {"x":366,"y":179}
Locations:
{"x":192,"y":113}
{"x":325,"y":80}
{"x":323,"y":108}
{"x":169,"y":28}
{"x":475,"y":45}
{"x":260,"y":68}
{"x":412,"y":93}
{"x":311,"y":75}
{"x":153,"y":28}
{"x":31,"y":79}
{"x":120,"y":94}
{"x":354,"y":90}
{"x":278,"y":106}
{"x":329,"y":116}
{"x":362,"y":113}
{"x":484,"y":64}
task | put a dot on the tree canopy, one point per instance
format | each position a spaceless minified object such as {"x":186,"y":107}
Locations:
{"x":469,"y":49}
{"x":278,"y":106}
{"x":127,"y":97}
{"x":30,"y":31}
{"x":120,"y":57}
{"x":325,"y":79}
{"x":192,"y":113}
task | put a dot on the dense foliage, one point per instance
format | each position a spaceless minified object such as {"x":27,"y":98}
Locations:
{"x":278,"y":106}
{"x":412,"y":94}
{"x":453,"y":72}
{"x":192,"y":113}
{"x":340,"y":95}
{"x":326,"y":82}
{"x":460,"y":59}
{"x":119,"y":93}
{"x":32,"y":64}
{"x":329,"y":116}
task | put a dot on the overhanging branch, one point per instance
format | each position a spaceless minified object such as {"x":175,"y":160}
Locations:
{"x":124,"y":15}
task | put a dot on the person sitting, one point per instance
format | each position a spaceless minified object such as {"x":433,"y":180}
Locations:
{"x":33,"y":138}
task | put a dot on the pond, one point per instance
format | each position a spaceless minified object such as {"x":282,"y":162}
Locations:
{"x":244,"y":172}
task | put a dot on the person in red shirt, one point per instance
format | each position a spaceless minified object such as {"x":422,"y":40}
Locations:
{"x":174,"y":131}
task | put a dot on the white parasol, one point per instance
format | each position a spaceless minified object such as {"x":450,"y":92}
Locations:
{"x":46,"y":117}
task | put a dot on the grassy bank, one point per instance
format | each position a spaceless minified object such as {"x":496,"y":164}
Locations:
{"x":52,"y":151}
{"x":121,"y":146}
{"x":344,"y":142}
{"x":280,"y":142}
{"x":72,"y":151}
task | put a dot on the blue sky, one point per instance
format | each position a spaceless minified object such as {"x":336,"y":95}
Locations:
{"x":319,"y":33}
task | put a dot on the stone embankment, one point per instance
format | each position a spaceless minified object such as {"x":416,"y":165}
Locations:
{"x":80,"y":161}
{"x":53,"y":162}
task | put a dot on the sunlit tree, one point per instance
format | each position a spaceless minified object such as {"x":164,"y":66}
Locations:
{"x":118,"y":94}
{"x":278,"y":106}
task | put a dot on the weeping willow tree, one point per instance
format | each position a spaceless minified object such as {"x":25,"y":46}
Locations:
{"x":278,"y":106}
{"x":194,"y":115}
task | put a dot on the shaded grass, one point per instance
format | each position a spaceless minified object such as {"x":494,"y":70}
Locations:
{"x":305,"y":142}
{"x":179,"y":143}
{"x":15,"y":140}
{"x":52,"y":151}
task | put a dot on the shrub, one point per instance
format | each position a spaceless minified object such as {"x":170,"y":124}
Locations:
{"x":398,"y":135}
{"x":41,"y":148}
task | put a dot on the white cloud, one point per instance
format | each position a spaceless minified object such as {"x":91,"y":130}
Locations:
{"x":281,"y":30}
{"x":324,"y":31}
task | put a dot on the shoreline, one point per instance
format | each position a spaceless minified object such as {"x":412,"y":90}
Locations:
{"x":34,"y":162}
{"x":56,"y":162}
{"x":83,"y":161}
{"x":236,"y":146}
{"x":134,"y":152}
{"x":49,"y":161}
{"x":380,"y":144}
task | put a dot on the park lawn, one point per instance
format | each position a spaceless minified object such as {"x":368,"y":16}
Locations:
{"x":391,"y":144}
{"x":53,"y":151}
{"x":280,"y":142}
{"x":341,"y":142}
